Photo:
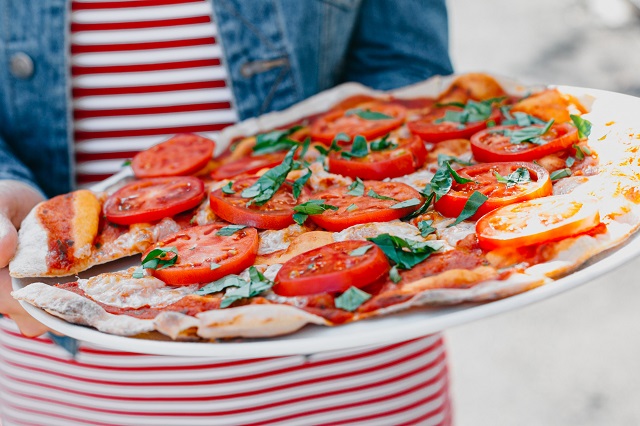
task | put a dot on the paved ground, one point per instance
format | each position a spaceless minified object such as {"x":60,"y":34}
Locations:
{"x":574,"y":359}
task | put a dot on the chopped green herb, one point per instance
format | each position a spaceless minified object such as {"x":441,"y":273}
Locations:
{"x":229,"y":230}
{"x":491,"y":123}
{"x":351,"y":299}
{"x":157,"y":258}
{"x":193,"y":220}
{"x":305,"y":147}
{"x":425,"y":227}
{"x":518,"y":177}
{"x":367,"y":114}
{"x":522,"y":119}
{"x":454,"y":104}
{"x":562,"y":173}
{"x":394,"y":275}
{"x":299,"y":183}
{"x":324,"y":152}
{"x":359,"y":148}
{"x":356,"y":188}
{"x":406,"y":203}
{"x":472,"y":112}
{"x":570,"y":161}
{"x":126,"y":163}
{"x":421,"y":210}
{"x":581,"y":152}
{"x":471,"y":206}
{"x":269,"y":183}
{"x":405,"y":253}
{"x":213,"y":265}
{"x":583,"y":126}
{"x":255,"y":287}
{"x":459,"y":179}
{"x":351,"y":207}
{"x":309,"y":208}
{"x":221,"y":284}
{"x":383,"y":144}
{"x":586,"y":150}
{"x":440,"y":183}
{"x":360,"y":250}
{"x":138,"y":273}
{"x":530,"y":134}
{"x":374,"y":194}
{"x":228,"y":188}
{"x":275,"y":141}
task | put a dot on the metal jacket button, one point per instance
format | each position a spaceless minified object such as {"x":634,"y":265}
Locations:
{"x":21,"y":65}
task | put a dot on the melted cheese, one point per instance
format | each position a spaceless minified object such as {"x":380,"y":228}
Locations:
{"x":417,"y":180}
{"x":269,"y":272}
{"x":121,"y":290}
{"x":452,"y":235}
{"x":369,"y":230}
{"x":272,"y":241}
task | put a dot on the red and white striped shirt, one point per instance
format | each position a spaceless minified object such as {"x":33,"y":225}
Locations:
{"x":142,"y":71}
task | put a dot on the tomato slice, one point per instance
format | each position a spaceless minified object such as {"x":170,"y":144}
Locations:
{"x":148,"y":200}
{"x":277,"y":213}
{"x":377,"y":165}
{"x":204,"y":256}
{"x":330,"y":269}
{"x":354,"y":209}
{"x":490,"y":145}
{"x":500,"y":194}
{"x":340,"y":120}
{"x":247,"y":165}
{"x":430,"y":129}
{"x":181,"y":155}
{"x":536,"y":221}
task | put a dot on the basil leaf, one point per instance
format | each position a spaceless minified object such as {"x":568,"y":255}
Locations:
{"x":421,"y":210}
{"x":138,"y":273}
{"x":446,"y":104}
{"x":314,"y":207}
{"x":269,"y":183}
{"x":126,"y":163}
{"x":300,"y":218}
{"x":522,"y":119}
{"x":356,"y":188}
{"x":456,"y":176}
{"x":471,"y":206}
{"x":324,"y":152}
{"x":442,"y":158}
{"x":517,"y":177}
{"x":299,"y":183}
{"x":228,"y":188}
{"x":425,"y":227}
{"x":351,"y":299}
{"x":405,"y":253}
{"x":383,"y":144}
{"x":351,"y":207}
{"x":472,"y":112}
{"x":229,"y":230}
{"x":367,"y":114}
{"x":157,"y":258}
{"x":581,"y":151}
{"x":406,"y":203}
{"x":570,"y":161}
{"x":359,"y":149}
{"x":394,"y":275}
{"x":529,"y":134}
{"x":373,"y":194}
{"x":275,"y":141}
{"x":258,"y":284}
{"x":559,"y":174}
{"x":360,"y":250}
{"x":305,"y":147}
{"x":583,"y":126}
{"x":440,"y":183}
{"x":221,"y":284}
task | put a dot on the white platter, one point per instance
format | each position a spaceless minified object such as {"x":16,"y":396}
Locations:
{"x":612,"y":114}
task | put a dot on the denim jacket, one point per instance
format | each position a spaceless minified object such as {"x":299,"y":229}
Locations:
{"x":278,"y":52}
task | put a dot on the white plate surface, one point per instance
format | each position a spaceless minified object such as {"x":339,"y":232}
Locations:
{"x":607,"y":108}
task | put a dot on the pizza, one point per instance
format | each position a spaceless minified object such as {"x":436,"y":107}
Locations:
{"x":353,"y":204}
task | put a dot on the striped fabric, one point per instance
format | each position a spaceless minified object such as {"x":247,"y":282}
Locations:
{"x":401,"y":384}
{"x":143,"y":71}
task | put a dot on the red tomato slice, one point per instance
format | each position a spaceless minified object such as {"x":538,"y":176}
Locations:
{"x":330,"y":269}
{"x":377,"y":165}
{"x":430,"y":130}
{"x":181,"y":155}
{"x":489,"y":145}
{"x":247,"y":165}
{"x":486,"y":182}
{"x":148,"y":200}
{"x":277,"y":213}
{"x":338,"y":120}
{"x":536,"y":221}
{"x":367,"y":209}
{"x":204,"y":256}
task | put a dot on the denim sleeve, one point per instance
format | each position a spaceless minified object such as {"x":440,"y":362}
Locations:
{"x":396,"y":43}
{"x":12,"y":168}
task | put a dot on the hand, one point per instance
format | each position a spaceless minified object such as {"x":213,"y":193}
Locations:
{"x":16,"y":200}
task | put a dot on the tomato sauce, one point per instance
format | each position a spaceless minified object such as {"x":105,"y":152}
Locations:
{"x":55,"y":218}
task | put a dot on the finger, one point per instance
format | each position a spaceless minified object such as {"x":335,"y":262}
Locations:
{"x":10,"y":306}
{"x":8,"y":240}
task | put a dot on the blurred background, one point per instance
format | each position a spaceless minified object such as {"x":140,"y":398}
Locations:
{"x":573,"y":359}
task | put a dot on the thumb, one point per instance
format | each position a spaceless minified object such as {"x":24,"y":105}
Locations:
{"x":8,"y":240}
{"x":16,"y":200}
